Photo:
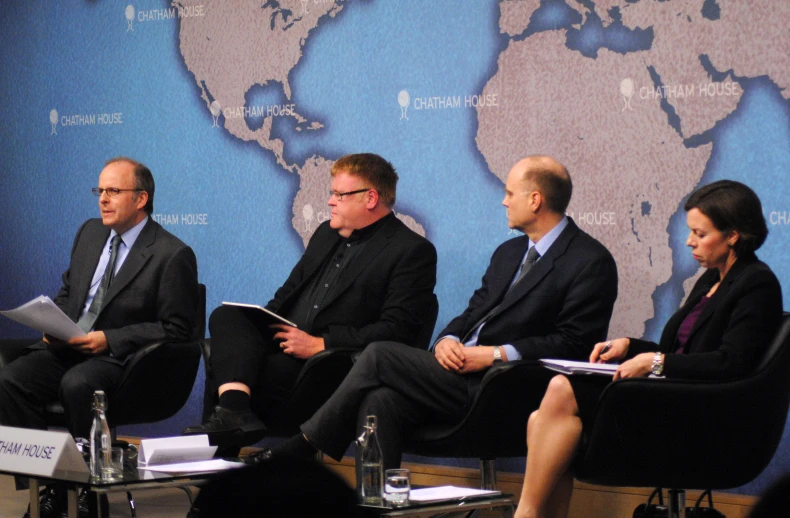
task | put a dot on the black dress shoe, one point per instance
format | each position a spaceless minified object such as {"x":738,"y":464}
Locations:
{"x":86,"y":505}
{"x":229,"y":426}
{"x":259,"y":457}
{"x":52,"y":501}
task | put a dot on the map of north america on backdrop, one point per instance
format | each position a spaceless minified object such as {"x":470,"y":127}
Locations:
{"x":637,"y":100}
{"x":240,"y":108}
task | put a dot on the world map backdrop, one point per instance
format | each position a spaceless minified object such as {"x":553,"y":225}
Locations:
{"x":241,"y":107}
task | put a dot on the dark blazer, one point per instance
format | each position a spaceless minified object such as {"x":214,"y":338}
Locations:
{"x":559,"y":310}
{"x":384,"y":294}
{"x":732,"y":331}
{"x":152,"y":298}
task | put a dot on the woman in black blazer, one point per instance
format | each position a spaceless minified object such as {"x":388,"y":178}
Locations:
{"x":720,"y":332}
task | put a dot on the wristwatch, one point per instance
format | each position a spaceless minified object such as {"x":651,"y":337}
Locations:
{"x":497,"y":355}
{"x":658,"y":364}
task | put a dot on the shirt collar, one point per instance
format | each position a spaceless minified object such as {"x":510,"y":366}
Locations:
{"x":362,"y":234}
{"x":550,"y":237}
{"x":131,"y":235}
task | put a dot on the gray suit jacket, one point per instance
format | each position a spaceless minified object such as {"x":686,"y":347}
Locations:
{"x":152,"y":298}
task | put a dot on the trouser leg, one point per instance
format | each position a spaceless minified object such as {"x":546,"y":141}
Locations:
{"x":278,"y":374}
{"x":239,"y":344}
{"x":28,"y":384}
{"x":426,"y":393}
{"x":77,"y":387}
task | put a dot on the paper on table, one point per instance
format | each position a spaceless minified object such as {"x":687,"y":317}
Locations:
{"x":441,"y":493}
{"x":573,"y":367}
{"x":175,"y":450}
{"x":201,"y":466}
{"x":42,"y":314}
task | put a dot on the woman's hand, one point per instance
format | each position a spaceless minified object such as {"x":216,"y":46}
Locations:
{"x":638,"y":366}
{"x":613,"y":350}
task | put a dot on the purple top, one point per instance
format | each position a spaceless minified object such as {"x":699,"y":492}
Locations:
{"x":688,"y":324}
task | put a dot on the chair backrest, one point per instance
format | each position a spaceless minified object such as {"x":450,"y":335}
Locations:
{"x":426,"y":331}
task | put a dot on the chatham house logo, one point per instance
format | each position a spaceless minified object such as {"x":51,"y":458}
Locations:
{"x":53,"y":121}
{"x":627,"y":91}
{"x":216,"y":110}
{"x":129,"y":12}
{"x":403,"y":100}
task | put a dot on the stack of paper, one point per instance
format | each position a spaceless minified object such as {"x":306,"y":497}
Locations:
{"x":572,"y":367}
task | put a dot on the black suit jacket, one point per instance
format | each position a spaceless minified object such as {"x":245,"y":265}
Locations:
{"x":559,"y":310}
{"x":383,"y":294}
{"x":732,"y":331}
{"x":152,"y":298}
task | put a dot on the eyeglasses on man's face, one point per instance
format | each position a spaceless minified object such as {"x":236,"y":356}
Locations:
{"x":111,"y":191}
{"x":340,"y":195}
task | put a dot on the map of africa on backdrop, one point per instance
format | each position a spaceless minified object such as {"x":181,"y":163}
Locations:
{"x":620,"y":91}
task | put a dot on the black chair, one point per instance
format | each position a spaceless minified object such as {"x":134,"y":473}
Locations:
{"x":317,"y":381}
{"x":690,"y":434}
{"x":156,"y":383}
{"x":495,"y":425}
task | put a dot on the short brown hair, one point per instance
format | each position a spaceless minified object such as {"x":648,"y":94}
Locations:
{"x":374,"y":170}
{"x":143,"y":179}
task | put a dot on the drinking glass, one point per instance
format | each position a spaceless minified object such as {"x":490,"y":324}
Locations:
{"x":396,"y":487}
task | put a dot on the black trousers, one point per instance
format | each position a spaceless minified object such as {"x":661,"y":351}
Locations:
{"x":242,"y":350}
{"x":43,"y":376}
{"x":403,"y":387}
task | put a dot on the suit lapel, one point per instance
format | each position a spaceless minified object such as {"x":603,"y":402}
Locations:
{"x":138,"y":256}
{"x":88,"y":267}
{"x":541,"y":269}
{"x":715,"y":300}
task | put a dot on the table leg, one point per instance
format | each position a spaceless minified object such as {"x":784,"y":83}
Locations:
{"x":71,"y":504}
{"x":34,"y":502}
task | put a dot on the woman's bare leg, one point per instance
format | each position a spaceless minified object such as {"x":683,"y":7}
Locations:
{"x":553,"y":433}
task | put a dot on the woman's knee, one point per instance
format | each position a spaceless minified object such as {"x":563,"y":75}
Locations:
{"x":559,"y":397}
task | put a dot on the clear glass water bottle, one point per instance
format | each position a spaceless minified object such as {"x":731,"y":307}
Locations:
{"x":372,"y":471}
{"x":100,"y":432}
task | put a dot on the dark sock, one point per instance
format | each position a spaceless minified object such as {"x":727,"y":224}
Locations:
{"x":297,"y":447}
{"x":235,"y":400}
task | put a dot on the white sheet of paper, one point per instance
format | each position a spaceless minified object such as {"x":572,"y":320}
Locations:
{"x":202,"y":466}
{"x":574,"y":367}
{"x":272,"y":315}
{"x":441,"y":493}
{"x":42,"y":314}
{"x":173,"y":450}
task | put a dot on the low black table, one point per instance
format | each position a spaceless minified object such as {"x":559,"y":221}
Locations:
{"x":500,"y":505}
{"x":134,"y":479}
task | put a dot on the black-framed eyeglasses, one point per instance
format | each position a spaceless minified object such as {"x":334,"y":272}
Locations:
{"x":340,"y":195}
{"x":111,"y":191}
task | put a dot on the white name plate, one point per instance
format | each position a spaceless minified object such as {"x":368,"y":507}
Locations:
{"x":174,"y":450}
{"x":41,"y":453}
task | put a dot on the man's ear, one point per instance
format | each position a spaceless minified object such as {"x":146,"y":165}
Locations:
{"x":142,"y":199}
{"x":372,"y":199}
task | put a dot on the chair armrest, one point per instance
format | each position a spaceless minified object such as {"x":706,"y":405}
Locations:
{"x":507,"y":395}
{"x":328,"y":360}
{"x":157,"y":381}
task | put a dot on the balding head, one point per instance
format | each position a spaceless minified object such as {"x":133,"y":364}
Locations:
{"x":549,"y":178}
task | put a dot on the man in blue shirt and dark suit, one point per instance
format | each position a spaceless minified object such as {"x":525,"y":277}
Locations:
{"x":548,"y":294}
{"x":129,"y":283}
